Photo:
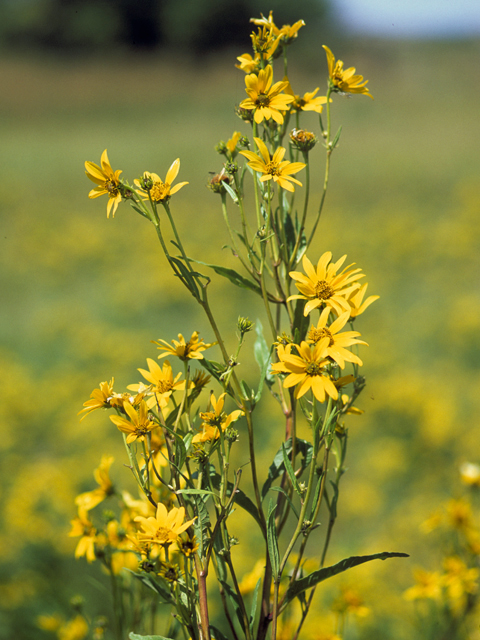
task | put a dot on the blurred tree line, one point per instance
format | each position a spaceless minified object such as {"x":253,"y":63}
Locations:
{"x":194,"y":26}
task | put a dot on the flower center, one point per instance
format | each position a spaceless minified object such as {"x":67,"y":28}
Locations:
{"x":323,"y":290}
{"x":313,"y":369}
{"x":212,"y":419}
{"x":163,"y":386}
{"x":159,"y":191}
{"x":263,"y":100}
{"x":272,"y":168}
{"x":162,"y":534}
{"x":316,"y":335}
{"x":112,"y":188}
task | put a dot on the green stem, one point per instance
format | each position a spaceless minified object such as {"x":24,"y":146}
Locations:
{"x":328,"y":145}
{"x":293,"y":258}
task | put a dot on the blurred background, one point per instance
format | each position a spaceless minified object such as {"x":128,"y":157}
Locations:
{"x":83,"y":296}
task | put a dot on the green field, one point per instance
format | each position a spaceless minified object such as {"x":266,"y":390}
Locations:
{"x":83,"y":296}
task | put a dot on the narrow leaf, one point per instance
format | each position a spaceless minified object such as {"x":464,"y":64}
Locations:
{"x":278,"y":466}
{"x":241,"y":498}
{"x":234,"y":601}
{"x":217,"y":634}
{"x":149,"y":582}
{"x":253,"y":610}
{"x":196,"y":492}
{"x":316,"y":495}
{"x":262,"y":352}
{"x":187,"y":277}
{"x":230,"y":191}
{"x":280,"y":490}
{"x":272,"y":540}
{"x":327,"y":572}
{"x":337,"y":138}
{"x":232,"y":275}
{"x":135,"y":636}
{"x":290,"y":471}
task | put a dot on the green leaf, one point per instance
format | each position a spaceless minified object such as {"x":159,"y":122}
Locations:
{"x":253,"y":610}
{"x":247,"y":392}
{"x":263,"y":356}
{"x":336,"y":138}
{"x":142,"y":213}
{"x":201,"y":524}
{"x":290,"y":471}
{"x":196,"y":492}
{"x":327,"y":572}
{"x":262,"y":352}
{"x":278,"y":466}
{"x":316,"y":495}
{"x":230,"y":191}
{"x":241,"y":498}
{"x":272,"y":540}
{"x":232,"y":596}
{"x":149,"y":582}
{"x":135,"y":636}
{"x":187,"y":276}
{"x":333,"y":504}
{"x":217,"y":634}
{"x":300,"y":322}
{"x":280,"y":490}
{"x":232,"y":275}
{"x":290,"y":232}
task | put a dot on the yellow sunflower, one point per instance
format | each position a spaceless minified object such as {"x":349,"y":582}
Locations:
{"x":357,"y":303}
{"x":162,"y":381}
{"x":266,"y":100}
{"x":137,"y":424}
{"x":99,"y":398}
{"x":323,"y":286}
{"x":306,"y":370}
{"x":215,"y":420}
{"x":287,"y":32}
{"x":336,"y":341}
{"x":308,"y":103}
{"x":81,"y":526}
{"x":344,"y":80}
{"x":165,"y":527}
{"x":90,"y":499}
{"x":190,"y":350}
{"x":273,"y":168}
{"x":160,"y":191}
{"x":107,"y":180}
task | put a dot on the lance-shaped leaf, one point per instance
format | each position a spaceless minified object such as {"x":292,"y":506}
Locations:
{"x":299,"y":586}
{"x":272,"y":541}
{"x":151,"y":583}
{"x":253,"y":610}
{"x":187,"y":277}
{"x":241,"y":498}
{"x":263,"y":356}
{"x":278,"y":465}
{"x":232,"y":275}
{"x":135,"y":636}
{"x":290,"y":471}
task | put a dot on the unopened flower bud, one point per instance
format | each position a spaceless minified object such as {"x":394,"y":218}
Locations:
{"x":303,"y":140}
{"x":244,"y":325}
{"x":146,"y":182}
{"x":231,"y":168}
{"x":244,"y":114}
{"x":221,"y":148}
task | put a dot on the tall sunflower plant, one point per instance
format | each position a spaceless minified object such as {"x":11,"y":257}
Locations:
{"x":173,"y":547}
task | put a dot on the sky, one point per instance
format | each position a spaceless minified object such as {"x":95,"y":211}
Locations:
{"x":415,"y":18}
